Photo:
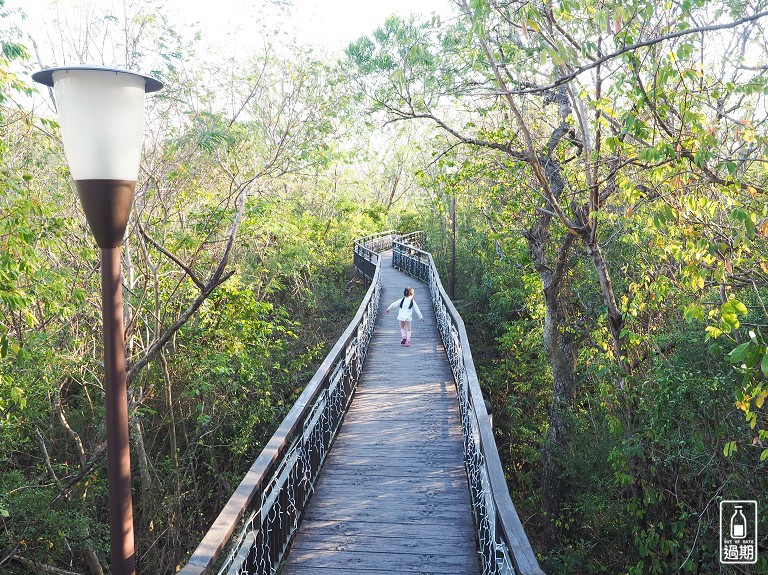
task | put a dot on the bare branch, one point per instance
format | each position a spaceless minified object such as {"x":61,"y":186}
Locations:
{"x":170,"y":256}
{"x":158,"y":344}
{"x":530,"y":157}
{"x":46,"y":457}
{"x":217,"y":278}
{"x":632,"y":47}
{"x":57,"y":407}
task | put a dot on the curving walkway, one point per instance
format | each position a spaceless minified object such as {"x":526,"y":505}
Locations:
{"x":393,"y":495}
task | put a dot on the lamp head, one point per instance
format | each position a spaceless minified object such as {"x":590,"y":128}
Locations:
{"x":101,"y":114}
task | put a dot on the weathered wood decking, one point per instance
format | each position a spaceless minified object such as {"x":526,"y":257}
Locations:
{"x":393,"y":496}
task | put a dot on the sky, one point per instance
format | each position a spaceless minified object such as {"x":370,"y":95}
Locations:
{"x":326,"y":25}
{"x":331,"y":24}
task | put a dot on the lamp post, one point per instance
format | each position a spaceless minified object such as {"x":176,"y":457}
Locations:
{"x":101,"y":113}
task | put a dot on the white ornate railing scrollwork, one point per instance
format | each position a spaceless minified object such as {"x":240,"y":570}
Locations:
{"x":503,"y":545}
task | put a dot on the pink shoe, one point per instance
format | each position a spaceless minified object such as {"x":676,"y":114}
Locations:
{"x":407,"y":344}
{"x":402,"y":341}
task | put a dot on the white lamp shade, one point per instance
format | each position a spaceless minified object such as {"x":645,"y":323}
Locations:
{"x":101,"y":113}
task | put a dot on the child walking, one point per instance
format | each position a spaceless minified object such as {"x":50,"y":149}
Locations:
{"x":405,"y":315}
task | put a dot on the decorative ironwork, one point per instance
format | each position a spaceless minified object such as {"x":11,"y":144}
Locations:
{"x":270,"y":528}
{"x":416,"y":239}
{"x":503,"y":546}
{"x":366,"y":252}
{"x":367,"y":249}
{"x":293,"y":458}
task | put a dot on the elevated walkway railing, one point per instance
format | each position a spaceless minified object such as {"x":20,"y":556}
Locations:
{"x":504,"y":546}
{"x":268,"y":503}
{"x":368,"y":248}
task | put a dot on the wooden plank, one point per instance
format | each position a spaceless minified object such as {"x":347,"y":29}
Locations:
{"x":419,"y":457}
{"x":454,"y":484}
{"x":448,"y":484}
{"x":376,"y":459}
{"x":401,"y":404}
{"x":369,"y":471}
{"x":362,"y":430}
{"x":360,"y":543}
{"x":423,"y":514}
{"x":383,"y":530}
{"x":362,"y":500}
{"x":395,"y":418}
{"x":394,"y":434}
{"x":376,"y":384}
{"x":414,"y":396}
{"x":397,"y":436}
{"x":417,"y":442}
{"x":384,"y":469}
{"x":402,"y":410}
{"x":413,"y":562}
{"x":343,"y":570}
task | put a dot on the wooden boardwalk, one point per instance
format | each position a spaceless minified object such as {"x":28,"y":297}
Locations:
{"x":393,"y":495}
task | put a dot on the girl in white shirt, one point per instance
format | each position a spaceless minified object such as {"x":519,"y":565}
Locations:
{"x":405,"y":315}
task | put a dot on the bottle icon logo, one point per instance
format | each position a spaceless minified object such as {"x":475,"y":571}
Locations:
{"x":738,"y":532}
{"x":738,"y":523}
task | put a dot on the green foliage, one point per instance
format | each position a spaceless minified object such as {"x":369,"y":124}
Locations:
{"x":203,"y":408}
{"x":43,"y":533}
{"x":669,"y":415}
{"x":661,"y":154}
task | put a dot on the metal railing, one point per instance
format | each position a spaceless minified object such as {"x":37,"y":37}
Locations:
{"x":503,"y":545}
{"x":268,"y":503}
{"x":368,"y":248}
{"x":416,"y":239}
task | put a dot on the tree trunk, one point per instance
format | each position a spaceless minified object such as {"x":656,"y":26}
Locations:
{"x":561,"y":352}
{"x":143,"y":459}
{"x":146,"y":507}
{"x":94,"y":565}
{"x":560,"y":347}
{"x":452,"y":283}
{"x":615,"y":317}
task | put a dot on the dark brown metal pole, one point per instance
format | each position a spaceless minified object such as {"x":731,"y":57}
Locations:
{"x":122,"y":553}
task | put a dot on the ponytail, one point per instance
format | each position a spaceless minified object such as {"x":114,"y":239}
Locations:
{"x":407,"y":292}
